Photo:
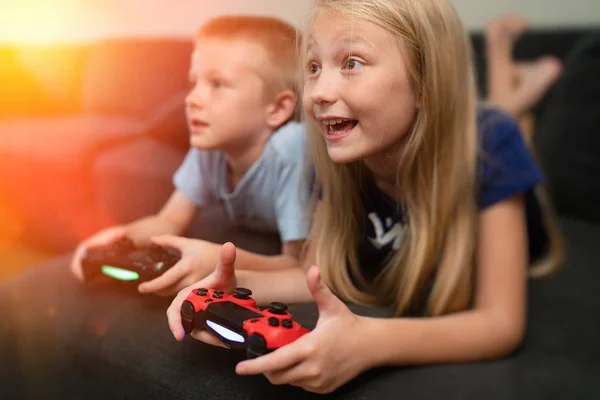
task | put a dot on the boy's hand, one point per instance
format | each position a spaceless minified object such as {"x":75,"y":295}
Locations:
{"x":223,"y":277}
{"x":198,"y":259}
{"x":102,"y":238}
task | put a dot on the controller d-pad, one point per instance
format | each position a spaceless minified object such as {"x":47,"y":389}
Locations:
{"x":273,"y":321}
{"x":278,"y":308}
{"x":287,"y":323}
{"x":201,"y":292}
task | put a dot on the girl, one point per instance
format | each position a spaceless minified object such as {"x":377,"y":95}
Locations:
{"x":420,"y":203}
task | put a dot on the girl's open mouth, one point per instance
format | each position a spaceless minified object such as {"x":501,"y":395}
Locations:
{"x":339,"y":126}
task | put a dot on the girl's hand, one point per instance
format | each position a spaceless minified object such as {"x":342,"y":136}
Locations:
{"x":102,"y":238}
{"x":223,"y":277}
{"x":324,"y":359}
{"x":198,"y":258}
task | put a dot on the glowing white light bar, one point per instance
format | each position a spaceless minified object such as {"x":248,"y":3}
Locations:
{"x":225,"y":332}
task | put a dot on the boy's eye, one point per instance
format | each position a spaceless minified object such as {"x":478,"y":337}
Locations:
{"x":352,"y":64}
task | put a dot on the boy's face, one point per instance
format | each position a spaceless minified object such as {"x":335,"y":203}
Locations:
{"x":357,"y":87}
{"x":227,"y":105}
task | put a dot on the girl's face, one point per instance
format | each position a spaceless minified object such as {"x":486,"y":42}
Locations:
{"x":357,"y":87}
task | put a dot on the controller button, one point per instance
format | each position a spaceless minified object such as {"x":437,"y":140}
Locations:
{"x":208,"y":300}
{"x":273,"y":321}
{"x":242,"y":293}
{"x":218,"y":295}
{"x":201,"y":292}
{"x":287,"y":323}
{"x":278,"y":308}
{"x":218,"y":291}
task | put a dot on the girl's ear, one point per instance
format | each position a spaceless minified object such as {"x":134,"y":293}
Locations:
{"x":282,"y":108}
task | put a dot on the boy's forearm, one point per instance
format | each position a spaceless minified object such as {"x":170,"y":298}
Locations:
{"x":287,"y":286}
{"x":173,"y":219}
{"x":143,"y":229}
{"x":462,"y":337}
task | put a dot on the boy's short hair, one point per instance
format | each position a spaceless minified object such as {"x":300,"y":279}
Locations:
{"x":279,"y":39}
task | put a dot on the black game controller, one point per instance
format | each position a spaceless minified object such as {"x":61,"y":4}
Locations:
{"x":123,"y":261}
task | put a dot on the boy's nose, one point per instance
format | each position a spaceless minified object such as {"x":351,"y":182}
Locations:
{"x":195,"y":97}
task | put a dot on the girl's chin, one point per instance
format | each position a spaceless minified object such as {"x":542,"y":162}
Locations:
{"x":343,"y":156}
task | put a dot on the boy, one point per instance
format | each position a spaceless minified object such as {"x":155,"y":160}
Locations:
{"x":247,"y":151}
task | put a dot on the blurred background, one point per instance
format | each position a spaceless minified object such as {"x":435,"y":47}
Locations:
{"x":91,"y":104}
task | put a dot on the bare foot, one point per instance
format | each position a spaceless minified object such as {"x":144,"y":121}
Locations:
{"x":533,"y":80}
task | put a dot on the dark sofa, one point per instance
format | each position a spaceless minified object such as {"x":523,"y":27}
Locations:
{"x":59,"y":339}
{"x":96,"y":343}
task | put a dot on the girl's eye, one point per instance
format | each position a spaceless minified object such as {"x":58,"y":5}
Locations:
{"x":216,"y":83}
{"x":313,"y":68}
{"x":352,"y":64}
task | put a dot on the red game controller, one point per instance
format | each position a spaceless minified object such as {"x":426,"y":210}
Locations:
{"x":238,"y":323}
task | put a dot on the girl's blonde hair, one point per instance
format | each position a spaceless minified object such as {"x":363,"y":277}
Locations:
{"x":437,"y":180}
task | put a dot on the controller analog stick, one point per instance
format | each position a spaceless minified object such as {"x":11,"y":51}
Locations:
{"x":242,"y":293}
{"x":278,"y":308}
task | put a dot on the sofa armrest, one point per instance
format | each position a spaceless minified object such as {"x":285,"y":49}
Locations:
{"x":134,"y":179}
{"x":168,"y":123}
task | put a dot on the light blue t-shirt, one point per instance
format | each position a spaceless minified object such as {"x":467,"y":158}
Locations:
{"x":271,"y":197}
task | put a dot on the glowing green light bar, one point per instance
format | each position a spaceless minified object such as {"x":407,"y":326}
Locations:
{"x":120,"y":273}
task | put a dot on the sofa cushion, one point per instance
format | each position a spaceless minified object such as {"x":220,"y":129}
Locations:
{"x":45,"y":173}
{"x":134,"y":77}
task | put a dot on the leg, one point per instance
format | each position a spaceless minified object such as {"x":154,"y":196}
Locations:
{"x":500,"y":35}
{"x":516,"y":87}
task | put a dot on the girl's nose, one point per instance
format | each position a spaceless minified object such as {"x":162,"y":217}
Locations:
{"x":323,"y":91}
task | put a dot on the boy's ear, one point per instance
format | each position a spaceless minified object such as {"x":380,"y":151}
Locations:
{"x":282,"y":108}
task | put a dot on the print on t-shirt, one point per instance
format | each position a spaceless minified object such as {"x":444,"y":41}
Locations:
{"x":386,"y":233}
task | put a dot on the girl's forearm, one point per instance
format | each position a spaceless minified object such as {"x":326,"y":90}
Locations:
{"x":258,"y":262}
{"x":286,"y":286}
{"x":462,"y":337}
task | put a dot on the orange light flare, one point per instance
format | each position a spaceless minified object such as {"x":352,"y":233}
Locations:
{"x":48,"y":21}
{"x":11,"y":226}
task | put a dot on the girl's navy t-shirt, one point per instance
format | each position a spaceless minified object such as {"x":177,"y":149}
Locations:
{"x":506,"y":168}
